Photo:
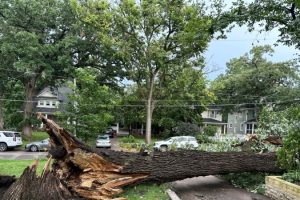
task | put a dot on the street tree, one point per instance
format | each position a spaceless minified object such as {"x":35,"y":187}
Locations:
{"x":156,"y":39}
{"x":38,"y":40}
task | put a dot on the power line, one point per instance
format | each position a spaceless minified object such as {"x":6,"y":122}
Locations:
{"x":159,"y":105}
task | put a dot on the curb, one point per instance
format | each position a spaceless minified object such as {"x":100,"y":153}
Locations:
{"x":172,"y":195}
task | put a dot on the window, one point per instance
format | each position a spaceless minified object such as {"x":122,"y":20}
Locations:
{"x":212,"y":114}
{"x":249,"y":128}
{"x":41,"y":103}
{"x":7,"y":134}
{"x":53,"y":103}
{"x":47,"y":103}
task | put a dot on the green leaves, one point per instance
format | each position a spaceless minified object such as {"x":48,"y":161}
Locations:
{"x":252,"y":78}
{"x":90,"y":109}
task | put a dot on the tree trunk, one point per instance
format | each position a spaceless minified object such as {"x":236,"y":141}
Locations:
{"x":28,"y":105}
{"x":99,"y":174}
{"x":150,"y":108}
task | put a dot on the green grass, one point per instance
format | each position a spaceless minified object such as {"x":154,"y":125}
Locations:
{"x":16,"y":167}
{"x":146,"y":192}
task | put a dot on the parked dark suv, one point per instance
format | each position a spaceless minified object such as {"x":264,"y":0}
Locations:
{"x":111,"y":132}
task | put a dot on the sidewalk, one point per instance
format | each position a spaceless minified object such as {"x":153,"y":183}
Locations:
{"x":212,"y":188}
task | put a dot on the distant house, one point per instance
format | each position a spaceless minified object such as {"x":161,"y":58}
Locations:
{"x":243,"y":120}
{"x":50,"y":100}
{"x":213,"y":116}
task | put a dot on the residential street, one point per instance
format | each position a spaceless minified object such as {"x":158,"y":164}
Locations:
{"x":211,"y":188}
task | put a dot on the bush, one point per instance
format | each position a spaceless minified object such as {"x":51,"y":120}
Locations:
{"x":128,"y":139}
{"x":183,"y":128}
{"x":253,"y":182}
{"x":210,"y":130}
{"x":292,"y":176}
{"x":202,"y":138}
{"x":289,"y":153}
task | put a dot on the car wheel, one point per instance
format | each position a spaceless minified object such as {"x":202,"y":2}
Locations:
{"x":34,"y":148}
{"x":163,"y":148}
{"x":3,"y":146}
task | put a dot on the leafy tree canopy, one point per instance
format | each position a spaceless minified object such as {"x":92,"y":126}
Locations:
{"x":270,"y":14}
{"x":89,"y":110}
{"x":253,"y":79}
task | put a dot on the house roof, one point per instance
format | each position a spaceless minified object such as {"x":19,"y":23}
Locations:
{"x":212,"y":121}
{"x":60,"y":93}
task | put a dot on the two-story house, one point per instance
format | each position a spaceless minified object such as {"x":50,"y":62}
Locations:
{"x":50,"y":100}
{"x":243,"y":120}
{"x":213,"y":116}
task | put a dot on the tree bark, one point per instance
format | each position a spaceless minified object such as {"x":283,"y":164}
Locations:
{"x":80,"y":171}
{"x":28,"y":105}
{"x":150,"y":108}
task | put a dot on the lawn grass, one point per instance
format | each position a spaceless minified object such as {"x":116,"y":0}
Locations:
{"x":16,"y":167}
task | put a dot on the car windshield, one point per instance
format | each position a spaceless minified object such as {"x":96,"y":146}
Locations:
{"x":102,"y":138}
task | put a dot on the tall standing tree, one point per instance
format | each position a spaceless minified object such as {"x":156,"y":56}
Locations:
{"x":156,"y":39}
{"x":38,"y":39}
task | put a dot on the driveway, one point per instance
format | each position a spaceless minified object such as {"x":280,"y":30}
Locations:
{"x":212,"y":188}
{"x":22,"y":155}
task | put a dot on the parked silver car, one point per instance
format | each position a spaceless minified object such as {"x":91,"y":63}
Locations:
{"x":38,"y":146}
{"x":179,"y":142}
{"x":103,"y":141}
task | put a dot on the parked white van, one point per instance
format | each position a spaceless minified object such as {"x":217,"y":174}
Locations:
{"x":9,"y":139}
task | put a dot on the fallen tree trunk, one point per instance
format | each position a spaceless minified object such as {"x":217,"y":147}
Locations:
{"x":100,"y":174}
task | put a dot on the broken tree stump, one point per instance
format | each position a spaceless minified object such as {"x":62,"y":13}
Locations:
{"x":100,"y":174}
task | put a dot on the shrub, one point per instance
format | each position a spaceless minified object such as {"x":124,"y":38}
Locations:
{"x":210,"y":130}
{"x":253,"y":182}
{"x":128,"y":139}
{"x":202,"y":138}
{"x":289,"y":153}
{"x":292,"y":176}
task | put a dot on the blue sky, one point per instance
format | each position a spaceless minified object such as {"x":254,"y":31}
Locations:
{"x":239,"y":41}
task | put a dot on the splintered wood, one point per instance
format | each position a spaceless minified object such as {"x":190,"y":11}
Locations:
{"x":88,"y":174}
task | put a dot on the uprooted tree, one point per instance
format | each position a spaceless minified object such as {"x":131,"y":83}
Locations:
{"x":79,"y":172}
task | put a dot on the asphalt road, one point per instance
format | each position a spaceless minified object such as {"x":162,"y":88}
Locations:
{"x":212,"y":188}
{"x":18,"y":154}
